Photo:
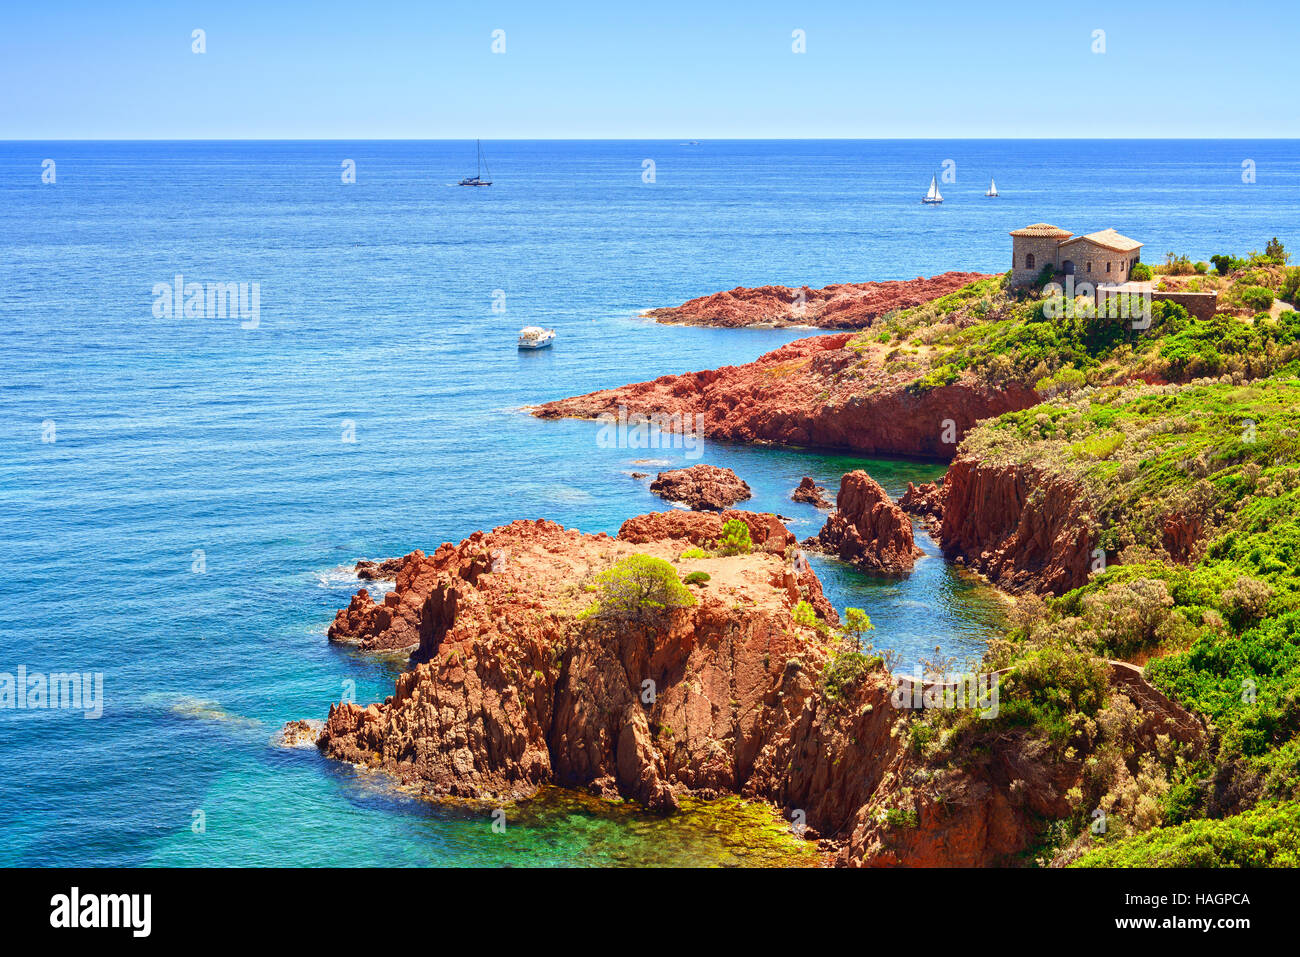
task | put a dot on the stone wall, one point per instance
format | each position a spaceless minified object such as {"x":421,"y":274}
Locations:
{"x":1042,"y":248}
{"x":1201,"y":305}
{"x":1097,"y":264}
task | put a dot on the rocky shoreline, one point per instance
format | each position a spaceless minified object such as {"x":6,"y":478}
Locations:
{"x":752,"y":688}
{"x":823,"y":392}
{"x":512,"y":687}
{"x":840,"y":306}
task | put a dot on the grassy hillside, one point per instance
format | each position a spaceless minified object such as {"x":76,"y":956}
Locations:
{"x":991,"y":333}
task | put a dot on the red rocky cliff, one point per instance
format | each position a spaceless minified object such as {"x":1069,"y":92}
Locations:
{"x":513,"y":689}
{"x":813,"y":392}
{"x":1025,"y":529}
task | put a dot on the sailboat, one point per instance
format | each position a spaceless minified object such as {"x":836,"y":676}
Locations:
{"x":993,"y":188}
{"x":478,"y":179}
{"x":932,"y":197}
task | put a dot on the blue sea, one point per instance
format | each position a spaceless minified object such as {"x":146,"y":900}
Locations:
{"x":181,"y":499}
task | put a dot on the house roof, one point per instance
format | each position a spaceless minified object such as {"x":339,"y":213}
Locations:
{"x":1043,"y":229}
{"x":1109,"y":239}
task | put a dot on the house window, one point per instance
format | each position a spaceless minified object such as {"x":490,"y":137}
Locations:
{"x":1029,"y":260}
{"x":1090,"y":266}
{"x":1107,"y":267}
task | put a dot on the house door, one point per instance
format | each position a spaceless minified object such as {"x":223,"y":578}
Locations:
{"x":1067,"y":267}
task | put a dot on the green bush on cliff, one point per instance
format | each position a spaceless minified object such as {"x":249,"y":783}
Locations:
{"x":735,"y":538}
{"x":637,"y":588}
{"x":1290,"y":287}
{"x":1225,"y":264}
{"x":856,"y":625}
{"x":1140,"y":273}
{"x":845,"y":670}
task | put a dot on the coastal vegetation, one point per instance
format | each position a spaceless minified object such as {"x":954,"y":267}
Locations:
{"x":1182,"y":440}
{"x":735,"y":539}
{"x":637,"y":588}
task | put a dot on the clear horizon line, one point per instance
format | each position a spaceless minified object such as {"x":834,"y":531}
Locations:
{"x":630,"y":139}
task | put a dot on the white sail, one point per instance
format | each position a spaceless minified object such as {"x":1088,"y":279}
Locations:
{"x":993,"y":188}
{"x":933,"y":194}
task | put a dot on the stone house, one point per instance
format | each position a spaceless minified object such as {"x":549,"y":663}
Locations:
{"x":1097,"y":258}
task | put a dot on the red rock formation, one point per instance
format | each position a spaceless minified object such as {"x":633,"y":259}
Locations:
{"x":415,"y":613}
{"x":924,"y":501}
{"x":839,"y":306}
{"x":979,"y":816}
{"x":1025,"y":529}
{"x":812,"y":392}
{"x":517,"y":690}
{"x":868,"y":529}
{"x":702,"y":487}
{"x":1181,"y":535}
{"x":514,"y":690}
{"x":704,"y":529}
{"x":810,"y":492}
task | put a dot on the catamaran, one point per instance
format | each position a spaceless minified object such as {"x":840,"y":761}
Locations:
{"x":478,"y":180}
{"x":993,"y":188}
{"x":535,"y":337}
{"x":932,"y":197}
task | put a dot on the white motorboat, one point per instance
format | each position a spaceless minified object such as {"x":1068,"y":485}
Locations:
{"x":535,"y":337}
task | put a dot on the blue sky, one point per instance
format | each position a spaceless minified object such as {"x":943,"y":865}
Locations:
{"x":666,"y":68}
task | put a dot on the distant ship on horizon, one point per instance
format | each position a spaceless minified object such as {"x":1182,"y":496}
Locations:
{"x":477,"y":179}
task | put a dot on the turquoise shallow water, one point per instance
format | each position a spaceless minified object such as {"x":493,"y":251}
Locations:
{"x":177,"y":435}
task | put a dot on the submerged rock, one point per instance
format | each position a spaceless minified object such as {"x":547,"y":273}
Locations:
{"x":299,"y":734}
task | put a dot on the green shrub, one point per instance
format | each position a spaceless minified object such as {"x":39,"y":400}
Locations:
{"x":1275,"y":252}
{"x":1257,"y":297}
{"x":901,"y":817}
{"x":1141,"y":273}
{"x":735,"y":538}
{"x":1260,"y":837}
{"x":692,"y":553}
{"x":1290,"y":285}
{"x":1224,"y":264}
{"x":697,"y":578}
{"x":1064,"y":382}
{"x":637,"y":588}
{"x":856,"y":625}
{"x":1201,"y":267}
{"x":804,"y":615}
{"x":844,"y":670}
